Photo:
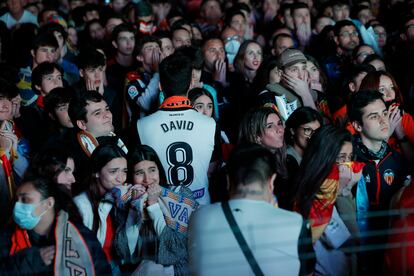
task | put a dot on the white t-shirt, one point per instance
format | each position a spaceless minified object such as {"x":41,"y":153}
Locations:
{"x":184,"y":142}
{"x":271,"y":233}
{"x":27,"y":17}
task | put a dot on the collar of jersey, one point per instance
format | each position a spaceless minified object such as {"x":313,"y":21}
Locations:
{"x":176,"y":102}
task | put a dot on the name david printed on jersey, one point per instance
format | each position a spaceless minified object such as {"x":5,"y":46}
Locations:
{"x":177,"y":125}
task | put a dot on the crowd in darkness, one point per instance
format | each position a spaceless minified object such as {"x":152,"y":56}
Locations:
{"x":207,"y":137}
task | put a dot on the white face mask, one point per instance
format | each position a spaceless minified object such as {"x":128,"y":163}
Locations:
{"x":231,"y":47}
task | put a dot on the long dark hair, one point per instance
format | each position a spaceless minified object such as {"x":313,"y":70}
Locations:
{"x":101,"y":156}
{"x":300,"y":116}
{"x":49,"y":163}
{"x":63,"y":200}
{"x":317,"y":163}
{"x":253,"y":125}
{"x":145,"y":153}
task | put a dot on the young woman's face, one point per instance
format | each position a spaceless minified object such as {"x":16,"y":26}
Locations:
{"x":112,"y":174}
{"x":146,"y":173}
{"x":275,"y":75}
{"x":253,"y":56}
{"x":386,"y":88}
{"x":272,"y":138}
{"x":204,"y":105}
{"x":66,"y":176}
{"x":28,"y":194}
{"x":304,"y":132}
{"x":346,"y":153}
{"x":5,"y":109}
{"x":314,"y":73}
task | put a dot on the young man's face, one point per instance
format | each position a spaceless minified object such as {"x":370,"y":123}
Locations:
{"x":93,"y":75}
{"x":44,"y":53}
{"x":282,"y":43}
{"x":181,"y":38}
{"x":148,"y":51}
{"x":375,"y":124}
{"x":50,"y":81}
{"x":125,"y":43}
{"x":211,"y":10}
{"x":98,"y":119}
{"x":297,"y":70}
{"x":62,"y":116}
{"x":348,"y":38}
{"x":111,"y":24}
{"x":91,"y":15}
{"x":15,"y":6}
{"x":340,"y":12}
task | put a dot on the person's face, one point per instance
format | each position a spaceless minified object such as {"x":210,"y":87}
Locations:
{"x":5,"y":109}
{"x":272,"y":138}
{"x":62,"y":116}
{"x":297,"y":70}
{"x":73,"y":36}
{"x":253,"y":57}
{"x":362,"y":53}
{"x":196,"y":34}
{"x":28,"y":194}
{"x":204,"y":105}
{"x":271,"y":6}
{"x":66,"y":176}
{"x":111,"y":24}
{"x":50,"y":81}
{"x":375,"y":125}
{"x":125,"y":43}
{"x":45,"y":53}
{"x":113,"y":174}
{"x":313,"y":72}
{"x":356,"y":82}
{"x":288,"y":19}
{"x":96,"y":31}
{"x":304,"y":132}
{"x":365,"y":15}
{"x":213,"y":51}
{"x":15,"y":6}
{"x":147,"y":52}
{"x":99,"y":119}
{"x":59,"y":38}
{"x":146,"y":173}
{"x":211,"y":10}
{"x":181,"y":38}
{"x":340,"y":12}
{"x":93,"y":75}
{"x":300,"y":17}
{"x":409,"y":33}
{"x":167,"y":47}
{"x":378,"y":64}
{"x":282,"y":44}
{"x":91,"y":15}
{"x":238,"y":22}
{"x":118,"y":5}
{"x":381,"y":35}
{"x":348,"y":38}
{"x":322,"y":23}
{"x":386,"y":88}
{"x":346,"y":153}
{"x":275,"y":75}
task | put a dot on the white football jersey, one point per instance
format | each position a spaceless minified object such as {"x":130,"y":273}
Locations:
{"x":184,"y":142}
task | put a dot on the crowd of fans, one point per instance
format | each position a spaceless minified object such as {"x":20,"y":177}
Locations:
{"x":207,"y":137}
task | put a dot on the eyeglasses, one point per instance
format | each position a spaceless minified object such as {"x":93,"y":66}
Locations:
{"x":349,"y":34}
{"x":308,"y":131}
{"x":234,"y":37}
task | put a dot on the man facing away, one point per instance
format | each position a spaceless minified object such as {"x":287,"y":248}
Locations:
{"x":274,"y":236}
